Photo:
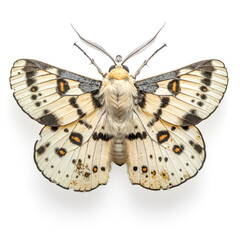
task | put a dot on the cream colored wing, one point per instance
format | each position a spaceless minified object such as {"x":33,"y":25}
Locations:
{"x":75,"y":156}
{"x":163,"y":156}
{"x":51,"y":95}
{"x":185,"y":96}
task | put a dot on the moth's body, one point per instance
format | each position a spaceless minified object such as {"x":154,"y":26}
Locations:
{"x":148,"y":124}
{"x":118,"y":96}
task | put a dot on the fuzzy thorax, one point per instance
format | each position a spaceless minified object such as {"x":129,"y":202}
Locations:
{"x":118,"y":73}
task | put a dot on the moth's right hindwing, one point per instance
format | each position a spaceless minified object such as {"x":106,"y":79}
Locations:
{"x":163,"y":156}
{"x":50,"y":95}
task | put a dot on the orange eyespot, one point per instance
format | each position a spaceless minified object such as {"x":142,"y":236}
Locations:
{"x":162,"y":137}
{"x":144,"y":169}
{"x":95,"y":168}
{"x":87,"y":174}
{"x":76,"y":139}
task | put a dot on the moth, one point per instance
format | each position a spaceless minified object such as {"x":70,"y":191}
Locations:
{"x":148,"y":124}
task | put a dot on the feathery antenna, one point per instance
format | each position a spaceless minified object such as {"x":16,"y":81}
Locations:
{"x":94,"y":45}
{"x":91,"y":59}
{"x":143,"y":46}
{"x":146,"y":61}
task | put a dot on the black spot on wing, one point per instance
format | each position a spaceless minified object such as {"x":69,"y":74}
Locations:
{"x":80,"y":113}
{"x":207,"y":74}
{"x":157,"y":116}
{"x":139,"y":135}
{"x":40,"y":150}
{"x":206,"y":81}
{"x":34,"y":97}
{"x":198,"y":148}
{"x":73,"y":102}
{"x":105,"y":137}
{"x":54,"y":129}
{"x":141,"y":99}
{"x":49,"y":120}
{"x":164,"y":102}
{"x":30,"y":72}
{"x":96,"y":99}
{"x":30,"y":81}
{"x":191,"y":119}
{"x":200,"y":104}
{"x":135,"y":168}
{"x":86,"y":124}
{"x":203,"y":96}
{"x":38,"y":104}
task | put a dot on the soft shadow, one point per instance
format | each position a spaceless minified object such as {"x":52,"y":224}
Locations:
{"x":165,"y":201}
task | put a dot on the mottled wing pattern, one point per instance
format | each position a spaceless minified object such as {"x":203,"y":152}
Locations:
{"x":186,"y":96}
{"x":50,"y":95}
{"x":76,"y":155}
{"x":163,"y":156}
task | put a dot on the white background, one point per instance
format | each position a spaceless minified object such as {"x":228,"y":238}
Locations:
{"x":206,"y":206}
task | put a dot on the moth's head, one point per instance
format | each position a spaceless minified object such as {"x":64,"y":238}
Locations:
{"x":118,"y":71}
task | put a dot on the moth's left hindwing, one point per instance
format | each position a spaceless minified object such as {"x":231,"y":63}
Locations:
{"x":51,"y":95}
{"x":185,"y":96}
{"x":75,"y":155}
{"x":71,"y":151}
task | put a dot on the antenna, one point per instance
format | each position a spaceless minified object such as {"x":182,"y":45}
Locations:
{"x":94,"y":45}
{"x":143,"y":46}
{"x":146,"y":61}
{"x":91,"y":59}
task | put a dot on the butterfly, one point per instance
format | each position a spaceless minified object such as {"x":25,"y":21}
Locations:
{"x":148,"y":124}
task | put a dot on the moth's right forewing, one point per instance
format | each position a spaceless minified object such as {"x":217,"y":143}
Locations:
{"x":185,"y":96}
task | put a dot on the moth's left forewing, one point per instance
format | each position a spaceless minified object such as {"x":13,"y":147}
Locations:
{"x":51,"y":95}
{"x":185,"y":96}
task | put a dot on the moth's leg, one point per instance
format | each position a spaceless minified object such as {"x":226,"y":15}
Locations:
{"x":91,"y":60}
{"x":146,"y":61}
